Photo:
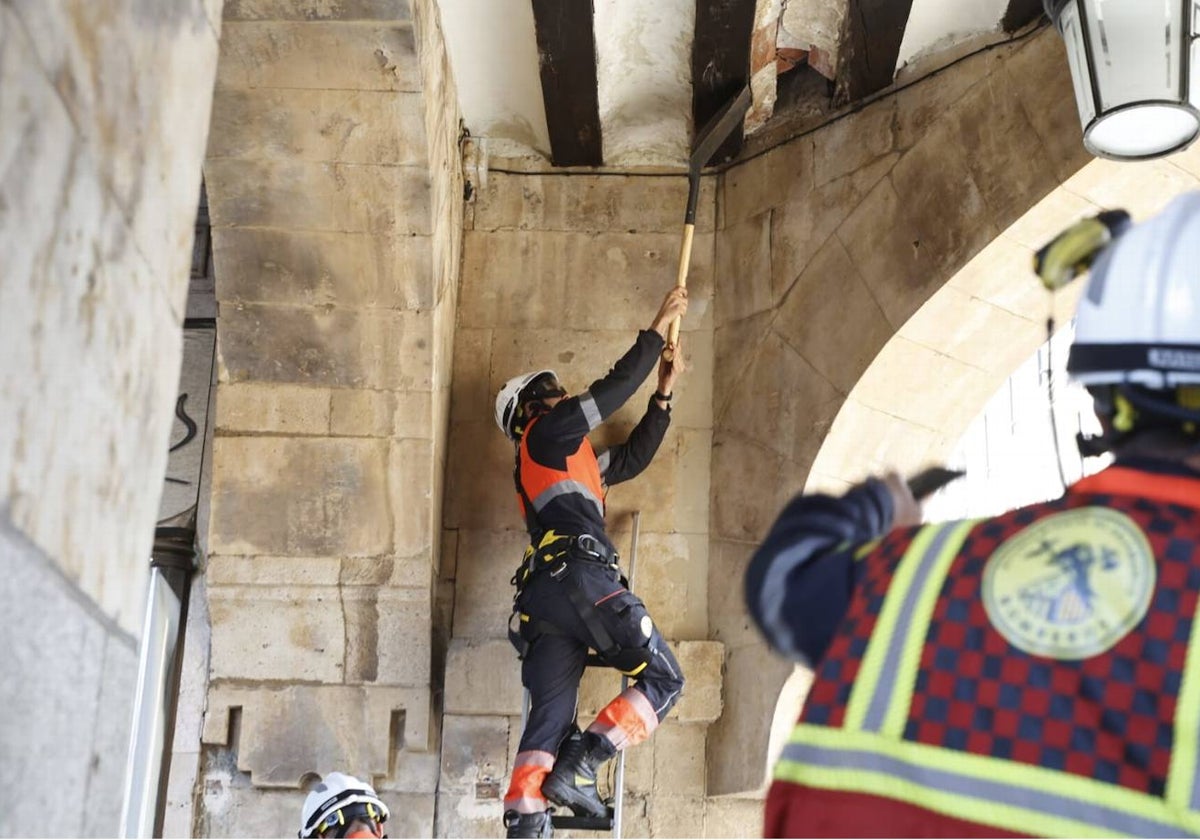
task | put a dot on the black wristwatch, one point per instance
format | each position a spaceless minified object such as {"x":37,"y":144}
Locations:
{"x":663,"y":397}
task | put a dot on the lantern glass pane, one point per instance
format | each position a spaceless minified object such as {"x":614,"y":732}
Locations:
{"x":1137,"y":50}
{"x":1081,"y":77}
{"x":1143,"y":131}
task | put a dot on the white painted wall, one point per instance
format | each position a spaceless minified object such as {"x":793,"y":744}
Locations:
{"x":937,"y":25}
{"x":493,"y":51}
{"x":643,"y":56}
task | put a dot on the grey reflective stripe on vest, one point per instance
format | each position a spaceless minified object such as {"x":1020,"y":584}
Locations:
{"x":886,"y":684}
{"x":591,"y":411}
{"x":603,"y":460}
{"x":987,"y":790}
{"x":562,"y":488}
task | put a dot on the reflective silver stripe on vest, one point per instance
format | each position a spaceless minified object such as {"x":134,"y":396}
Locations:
{"x":591,"y":411}
{"x":886,"y":684}
{"x":562,"y":488}
{"x":988,"y":790}
{"x":603,"y":460}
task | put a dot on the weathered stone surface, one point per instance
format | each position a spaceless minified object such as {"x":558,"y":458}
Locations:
{"x":483,"y":677}
{"x":411,"y":813}
{"x":322,"y":197}
{"x":679,"y":760}
{"x":736,"y":346}
{"x":474,"y":756}
{"x":482,"y":593}
{"x":799,"y":229}
{"x":414,"y":415}
{"x":672,"y":580}
{"x":739,"y":463}
{"x":605,"y":281}
{"x":230,"y":807}
{"x":460,"y":816}
{"x":357,"y":413}
{"x":855,"y":142}
{"x":1007,"y":162}
{"x":288,"y":732}
{"x":813,"y":318}
{"x":892,"y":385}
{"x":326,"y":347}
{"x":313,"y":268}
{"x":865,"y":441}
{"x":1038,"y":69}
{"x":410,"y":480}
{"x":333,"y":56}
{"x":300,"y":496}
{"x":277,"y":633}
{"x":744,"y":267}
{"x":314,"y":10}
{"x":966,"y":328}
{"x":702,"y":668}
{"x":781,"y":175}
{"x":267,"y":407}
{"x":733,"y":817}
{"x":592,"y":203}
{"x":479,"y":488}
{"x":369,"y":127}
{"x":729,"y":622}
{"x":753,"y":677}
{"x":272,"y":571}
{"x":675,"y":816}
{"x":387,"y":635}
{"x":692,"y":485}
{"x":783,"y":402}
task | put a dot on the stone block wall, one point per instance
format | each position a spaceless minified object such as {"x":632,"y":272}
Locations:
{"x":561,"y":271}
{"x":826,"y":248}
{"x":99,"y":184}
{"x":335,"y":190}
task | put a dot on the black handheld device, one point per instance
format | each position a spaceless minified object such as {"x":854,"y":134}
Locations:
{"x":929,"y":481}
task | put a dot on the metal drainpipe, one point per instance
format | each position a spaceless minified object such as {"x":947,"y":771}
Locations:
{"x":172,"y":563}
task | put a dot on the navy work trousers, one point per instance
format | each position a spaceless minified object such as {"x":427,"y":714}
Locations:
{"x":554,"y":664}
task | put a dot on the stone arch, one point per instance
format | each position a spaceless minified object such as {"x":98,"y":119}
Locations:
{"x":893,"y":311}
{"x":827,"y":247}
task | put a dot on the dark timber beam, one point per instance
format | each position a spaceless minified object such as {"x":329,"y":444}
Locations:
{"x":720,"y":63}
{"x":1020,"y":13}
{"x":871,"y":36}
{"x":567,"y":58}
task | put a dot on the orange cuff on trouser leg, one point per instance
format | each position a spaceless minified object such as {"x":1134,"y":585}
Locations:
{"x":525,"y":789}
{"x":627,"y":720}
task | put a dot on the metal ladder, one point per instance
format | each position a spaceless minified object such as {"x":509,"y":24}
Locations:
{"x":611,"y":822}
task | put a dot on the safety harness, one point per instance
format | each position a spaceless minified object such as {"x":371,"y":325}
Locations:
{"x":550,"y":553}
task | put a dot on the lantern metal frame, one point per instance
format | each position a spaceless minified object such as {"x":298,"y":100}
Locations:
{"x":1188,"y":25}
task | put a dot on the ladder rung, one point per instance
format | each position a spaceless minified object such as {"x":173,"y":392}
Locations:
{"x":584,"y":823}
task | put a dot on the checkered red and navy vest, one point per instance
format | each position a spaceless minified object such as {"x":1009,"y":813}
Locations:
{"x":1037,"y":673}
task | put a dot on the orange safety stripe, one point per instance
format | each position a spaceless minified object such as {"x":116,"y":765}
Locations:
{"x":1123,"y":481}
{"x":582,"y":468}
{"x":628,"y":720}
{"x":530,"y":769}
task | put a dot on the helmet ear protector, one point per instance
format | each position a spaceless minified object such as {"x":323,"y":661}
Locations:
{"x":1129,"y":408}
{"x":529,"y":401}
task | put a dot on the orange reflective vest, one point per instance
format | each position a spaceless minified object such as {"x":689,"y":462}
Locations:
{"x":1037,"y":673}
{"x":542,"y":485}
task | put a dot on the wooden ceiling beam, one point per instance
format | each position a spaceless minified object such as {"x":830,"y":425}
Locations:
{"x":567,"y":60}
{"x":871,"y":35}
{"x":720,"y":64}
{"x":1021,"y":13}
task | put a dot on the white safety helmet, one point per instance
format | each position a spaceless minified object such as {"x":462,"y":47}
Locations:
{"x":337,"y":800}
{"x":1138,"y":323}
{"x":507,"y":400}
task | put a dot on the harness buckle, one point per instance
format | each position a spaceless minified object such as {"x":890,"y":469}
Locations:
{"x":558,"y":573}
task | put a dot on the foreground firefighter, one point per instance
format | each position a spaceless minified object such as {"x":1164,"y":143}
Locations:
{"x":1037,"y":673}
{"x":570,"y":592}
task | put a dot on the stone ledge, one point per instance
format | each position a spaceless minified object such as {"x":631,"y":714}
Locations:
{"x":287,"y":732}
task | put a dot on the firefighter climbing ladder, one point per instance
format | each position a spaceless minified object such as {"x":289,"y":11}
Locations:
{"x":613,"y":820}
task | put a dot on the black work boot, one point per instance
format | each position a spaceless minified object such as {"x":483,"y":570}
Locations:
{"x":528,"y":825}
{"x":572,"y":782}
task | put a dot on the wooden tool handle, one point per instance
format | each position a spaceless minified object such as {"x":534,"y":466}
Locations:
{"x":685,"y":261}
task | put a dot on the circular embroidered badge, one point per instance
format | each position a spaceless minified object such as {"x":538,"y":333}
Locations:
{"x":1071,"y":585}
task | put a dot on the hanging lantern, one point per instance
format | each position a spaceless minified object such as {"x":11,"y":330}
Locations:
{"x":1134,"y":64}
